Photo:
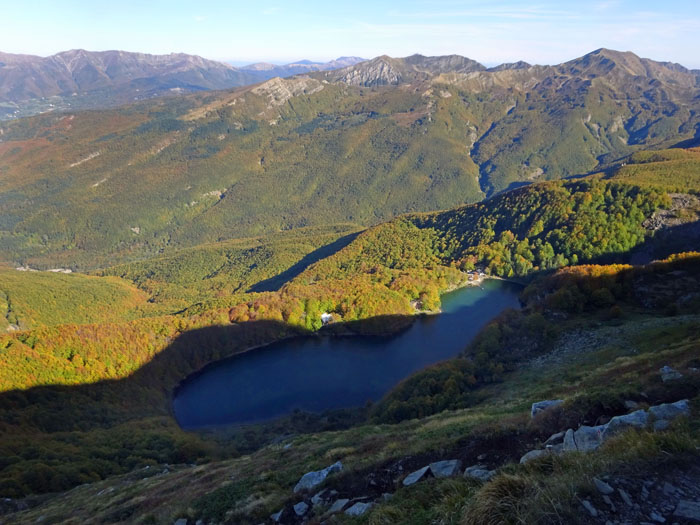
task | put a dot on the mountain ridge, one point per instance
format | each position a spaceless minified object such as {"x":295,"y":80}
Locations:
{"x":211,"y":166}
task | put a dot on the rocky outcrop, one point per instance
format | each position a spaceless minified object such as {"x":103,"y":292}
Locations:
{"x":544,"y":405}
{"x":587,"y":439}
{"x":688,"y":510}
{"x":446,"y":469}
{"x":312,"y":479}
{"x":416,"y":476}
{"x":669,"y":374}
{"x":637,"y":419}
{"x":479,"y":472}
{"x":359,"y":508}
{"x":533,"y":454}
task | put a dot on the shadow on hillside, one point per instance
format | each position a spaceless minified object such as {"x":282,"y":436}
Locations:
{"x":667,"y":241}
{"x":275,"y":283}
{"x":74,"y":434}
{"x":148,"y":391}
{"x":690,"y":143}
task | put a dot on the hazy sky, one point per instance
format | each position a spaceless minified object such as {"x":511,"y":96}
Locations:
{"x":281,"y":31}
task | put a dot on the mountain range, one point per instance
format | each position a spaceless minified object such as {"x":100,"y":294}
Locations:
{"x":81,"y":79}
{"x":360,"y":144}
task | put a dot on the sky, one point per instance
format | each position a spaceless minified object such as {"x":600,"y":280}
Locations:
{"x":490,"y":31}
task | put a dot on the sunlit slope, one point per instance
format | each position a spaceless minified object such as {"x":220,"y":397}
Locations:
{"x":92,"y":189}
{"x":32,"y":299}
{"x":674,"y":170}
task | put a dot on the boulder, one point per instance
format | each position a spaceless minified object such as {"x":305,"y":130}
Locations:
{"x":417,"y":476}
{"x":661,"y":424}
{"x":603,"y":487}
{"x":446,"y":468}
{"x":555,"y":439}
{"x":688,"y":510}
{"x":320,"y":497}
{"x":671,"y":410}
{"x":338,"y":505}
{"x":669,"y":374}
{"x":590,"y":508}
{"x":588,"y":438}
{"x":315,"y":478}
{"x":544,"y":405}
{"x":181,"y":521}
{"x":569,"y":443}
{"x":359,"y":508}
{"x":636,"y":419}
{"x":301,"y":508}
{"x":479,"y":472}
{"x":533,"y":454}
{"x":626,"y":497}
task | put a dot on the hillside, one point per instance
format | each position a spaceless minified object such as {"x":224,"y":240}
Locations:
{"x":490,"y":426}
{"x":162,"y":175}
{"x":30,"y":299}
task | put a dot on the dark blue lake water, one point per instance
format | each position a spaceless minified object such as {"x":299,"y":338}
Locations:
{"x":320,"y":373}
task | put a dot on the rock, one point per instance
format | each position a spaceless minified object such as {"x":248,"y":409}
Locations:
{"x":569,"y":442}
{"x":544,"y":405}
{"x":669,"y":374}
{"x":688,"y":510}
{"x":636,"y":419}
{"x":661,"y":424}
{"x":181,"y":521}
{"x":603,"y":487}
{"x":669,"y":490}
{"x":446,"y":469}
{"x":589,"y":438}
{"x":359,"y":508}
{"x":671,"y":410}
{"x":657,"y":518}
{"x":533,"y":454}
{"x":313,"y":479}
{"x":319,"y":497}
{"x":416,"y":476}
{"x":479,"y":472}
{"x":610,"y":503}
{"x":387,"y":496}
{"x":338,"y":505}
{"x":301,"y":508}
{"x":590,"y":508}
{"x":625,"y":497}
{"x":555,"y":439}
{"x":631,"y":405}
{"x":276,"y":516}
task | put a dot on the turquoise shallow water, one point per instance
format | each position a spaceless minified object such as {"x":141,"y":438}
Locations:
{"x":321,"y":373}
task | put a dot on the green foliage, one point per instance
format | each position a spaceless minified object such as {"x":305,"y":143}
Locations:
{"x":676,"y":170}
{"x":32,"y":299}
{"x":116,"y":186}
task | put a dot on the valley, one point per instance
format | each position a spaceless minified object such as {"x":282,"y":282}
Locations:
{"x":256,"y":275}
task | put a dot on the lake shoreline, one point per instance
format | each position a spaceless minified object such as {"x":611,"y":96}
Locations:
{"x":384,"y":334}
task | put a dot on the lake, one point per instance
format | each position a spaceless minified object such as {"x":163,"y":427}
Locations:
{"x":321,"y":373}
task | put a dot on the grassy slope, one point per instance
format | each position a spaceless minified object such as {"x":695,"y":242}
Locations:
{"x":673,"y":170}
{"x":32,"y":299}
{"x":378,"y":273}
{"x":248,"y":489}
